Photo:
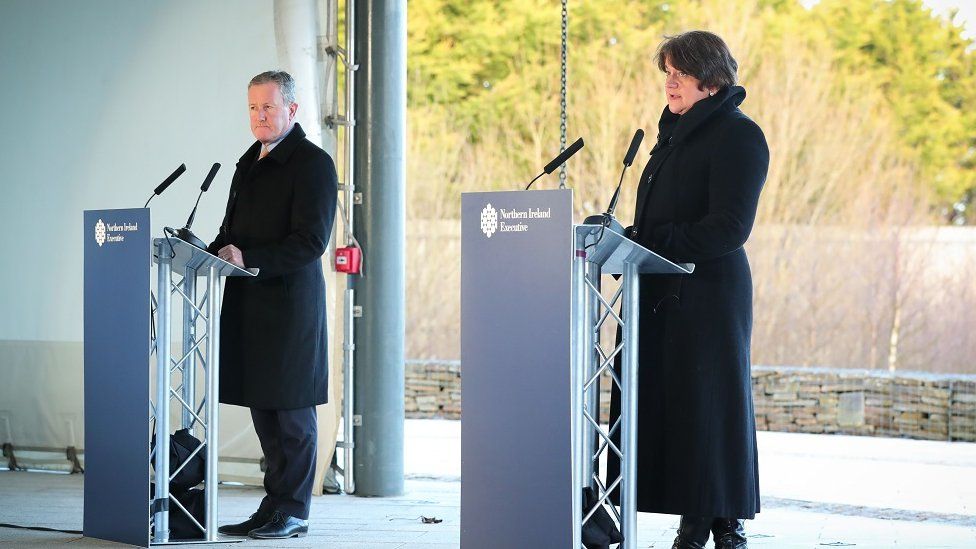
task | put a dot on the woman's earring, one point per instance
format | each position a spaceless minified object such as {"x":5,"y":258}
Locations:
{"x":711,"y":93}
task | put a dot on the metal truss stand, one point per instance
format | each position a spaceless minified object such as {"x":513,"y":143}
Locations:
{"x":350,"y":197}
{"x":601,"y":250}
{"x":201,"y":348}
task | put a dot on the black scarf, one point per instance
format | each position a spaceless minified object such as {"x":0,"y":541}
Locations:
{"x":675,"y":129}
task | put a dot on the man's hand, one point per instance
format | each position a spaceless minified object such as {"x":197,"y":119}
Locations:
{"x":231,"y":254}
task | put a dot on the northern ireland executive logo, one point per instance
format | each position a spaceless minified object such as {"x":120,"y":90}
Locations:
{"x":489,"y":220}
{"x":109,"y":233}
{"x":100,"y":233}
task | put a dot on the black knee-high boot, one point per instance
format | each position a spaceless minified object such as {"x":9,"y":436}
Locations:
{"x":692,"y":533}
{"x":729,"y":534}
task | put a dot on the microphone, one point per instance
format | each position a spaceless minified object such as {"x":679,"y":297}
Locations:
{"x":628,"y":160}
{"x":213,"y":173}
{"x":166,"y":183}
{"x":185,"y":234}
{"x":559,"y":160}
{"x":607,"y":219}
{"x":634,"y":145}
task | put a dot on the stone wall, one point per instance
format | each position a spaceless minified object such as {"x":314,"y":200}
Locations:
{"x":806,"y":400}
{"x":433,"y":389}
{"x":863,"y":402}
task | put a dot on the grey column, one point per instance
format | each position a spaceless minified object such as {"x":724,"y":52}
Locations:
{"x":380,"y":112}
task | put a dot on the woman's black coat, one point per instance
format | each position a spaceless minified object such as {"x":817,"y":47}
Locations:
{"x":696,"y":202}
{"x":273,"y":346}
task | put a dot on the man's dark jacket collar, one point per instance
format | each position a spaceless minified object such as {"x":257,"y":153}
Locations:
{"x":282,"y":151}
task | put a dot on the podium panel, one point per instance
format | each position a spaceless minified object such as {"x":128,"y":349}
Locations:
{"x":516,"y":437}
{"x":117,"y":346}
{"x":532,"y":312}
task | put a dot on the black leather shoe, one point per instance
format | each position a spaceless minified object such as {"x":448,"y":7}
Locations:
{"x":729,"y":534}
{"x":257,"y":520}
{"x":692,"y":533}
{"x":281,"y":526}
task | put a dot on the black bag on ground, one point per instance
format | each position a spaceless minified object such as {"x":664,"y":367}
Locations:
{"x":599,"y":532}
{"x":180,"y":526}
{"x":195,"y":502}
{"x":181,"y":445}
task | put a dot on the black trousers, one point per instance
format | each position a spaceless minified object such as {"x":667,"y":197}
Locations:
{"x":288,"y":441}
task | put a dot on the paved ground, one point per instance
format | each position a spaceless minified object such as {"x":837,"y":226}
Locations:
{"x":818,"y":491}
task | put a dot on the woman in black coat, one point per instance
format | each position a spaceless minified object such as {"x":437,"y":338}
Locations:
{"x":696,"y":202}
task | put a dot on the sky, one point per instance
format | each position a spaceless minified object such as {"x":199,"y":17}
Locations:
{"x":966,"y":16}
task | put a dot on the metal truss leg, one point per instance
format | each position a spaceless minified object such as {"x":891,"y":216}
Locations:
{"x":628,"y":408}
{"x":213,"y":376}
{"x":161,"y":501}
{"x":591,"y":396}
{"x":189,"y":337}
{"x":348,"y":433}
{"x":581,"y":352}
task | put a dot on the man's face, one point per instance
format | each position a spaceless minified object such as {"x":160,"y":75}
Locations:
{"x":270,"y":116}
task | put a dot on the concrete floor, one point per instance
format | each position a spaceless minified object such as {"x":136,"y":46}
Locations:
{"x":818,"y":491}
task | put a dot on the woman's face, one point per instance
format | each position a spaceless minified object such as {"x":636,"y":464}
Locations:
{"x":681,"y":89}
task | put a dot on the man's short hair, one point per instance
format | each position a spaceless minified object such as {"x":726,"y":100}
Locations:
{"x":701,"y":54}
{"x":284,"y":80}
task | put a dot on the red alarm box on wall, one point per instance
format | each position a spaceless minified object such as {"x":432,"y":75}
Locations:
{"x":348,"y":260}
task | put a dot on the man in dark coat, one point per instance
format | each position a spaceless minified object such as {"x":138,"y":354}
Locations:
{"x":696,"y":203}
{"x":273,"y":343}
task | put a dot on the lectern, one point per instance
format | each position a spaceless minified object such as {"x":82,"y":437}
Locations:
{"x":179,"y":267}
{"x":124,"y":324}
{"x":532,"y":359}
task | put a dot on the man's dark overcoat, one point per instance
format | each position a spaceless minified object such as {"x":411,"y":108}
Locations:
{"x":273,"y":346}
{"x":696,"y":202}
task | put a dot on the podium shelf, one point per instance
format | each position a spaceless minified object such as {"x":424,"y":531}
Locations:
{"x":612,"y":250}
{"x":184,"y":256}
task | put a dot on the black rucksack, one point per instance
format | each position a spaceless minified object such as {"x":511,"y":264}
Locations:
{"x":181,"y":446}
{"x":195,"y":502}
{"x":600,"y":531}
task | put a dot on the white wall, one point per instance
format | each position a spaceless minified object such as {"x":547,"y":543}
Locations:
{"x":100,"y":100}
